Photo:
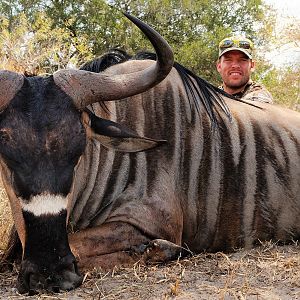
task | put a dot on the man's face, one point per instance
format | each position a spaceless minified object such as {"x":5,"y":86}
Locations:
{"x":235,"y":69}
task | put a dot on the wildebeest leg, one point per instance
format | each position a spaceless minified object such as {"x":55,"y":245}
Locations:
{"x":108,"y":245}
{"x":116,"y":243}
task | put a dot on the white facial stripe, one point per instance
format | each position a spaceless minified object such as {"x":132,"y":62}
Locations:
{"x":45,"y":204}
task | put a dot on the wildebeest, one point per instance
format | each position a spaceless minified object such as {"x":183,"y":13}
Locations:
{"x":214,"y":174}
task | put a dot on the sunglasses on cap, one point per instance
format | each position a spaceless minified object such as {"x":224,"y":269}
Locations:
{"x":244,"y":44}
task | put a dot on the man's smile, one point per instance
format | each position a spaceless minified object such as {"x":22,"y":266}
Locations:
{"x":235,"y":73}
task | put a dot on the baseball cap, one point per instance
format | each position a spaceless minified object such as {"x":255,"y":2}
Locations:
{"x":236,"y":43}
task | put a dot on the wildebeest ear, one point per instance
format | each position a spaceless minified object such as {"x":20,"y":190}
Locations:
{"x":118,"y":137}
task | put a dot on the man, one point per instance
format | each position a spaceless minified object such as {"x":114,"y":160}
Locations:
{"x":235,"y":65}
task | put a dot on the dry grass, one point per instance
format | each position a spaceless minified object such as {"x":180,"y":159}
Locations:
{"x":269,"y":272}
{"x":5,"y":217}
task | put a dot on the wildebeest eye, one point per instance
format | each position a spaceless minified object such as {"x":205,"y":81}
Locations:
{"x":4,"y":135}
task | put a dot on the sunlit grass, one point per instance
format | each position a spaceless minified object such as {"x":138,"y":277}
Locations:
{"x":5,"y":217}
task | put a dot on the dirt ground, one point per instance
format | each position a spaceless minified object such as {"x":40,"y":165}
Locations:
{"x":268,"y":272}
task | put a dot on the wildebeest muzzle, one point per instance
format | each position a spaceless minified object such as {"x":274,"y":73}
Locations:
{"x":47,"y":265}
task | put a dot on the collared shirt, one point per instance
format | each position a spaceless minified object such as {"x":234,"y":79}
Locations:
{"x":255,"y":92}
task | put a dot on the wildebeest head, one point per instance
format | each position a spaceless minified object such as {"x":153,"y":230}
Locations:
{"x":43,"y":132}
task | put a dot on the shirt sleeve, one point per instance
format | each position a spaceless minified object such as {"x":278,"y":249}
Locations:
{"x":258,"y":92}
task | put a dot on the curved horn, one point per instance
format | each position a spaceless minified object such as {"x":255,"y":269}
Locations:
{"x":10,"y":84}
{"x":87,"y":87}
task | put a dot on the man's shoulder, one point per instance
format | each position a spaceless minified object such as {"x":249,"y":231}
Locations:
{"x":257,"y":92}
{"x":255,"y":86}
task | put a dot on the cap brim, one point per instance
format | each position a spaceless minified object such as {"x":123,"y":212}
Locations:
{"x":237,"y":49}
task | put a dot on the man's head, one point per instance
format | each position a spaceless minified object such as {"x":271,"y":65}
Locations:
{"x":235,"y":63}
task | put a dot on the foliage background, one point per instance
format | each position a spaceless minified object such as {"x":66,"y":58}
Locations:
{"x":42,"y":36}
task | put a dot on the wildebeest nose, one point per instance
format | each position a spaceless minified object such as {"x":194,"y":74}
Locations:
{"x":71,"y":278}
{"x":65,"y":277}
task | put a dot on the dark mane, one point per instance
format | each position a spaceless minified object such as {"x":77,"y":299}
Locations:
{"x":198,"y":90}
{"x":99,"y":64}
